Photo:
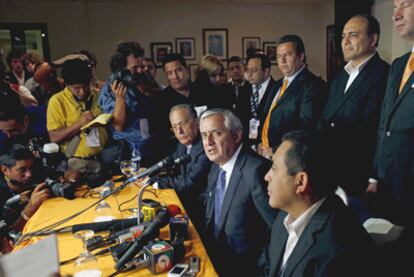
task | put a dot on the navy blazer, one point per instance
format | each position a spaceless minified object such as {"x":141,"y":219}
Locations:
{"x":246,"y":216}
{"x":299,"y":107}
{"x":351,"y":121}
{"x":394,"y":158}
{"x":333,"y":243}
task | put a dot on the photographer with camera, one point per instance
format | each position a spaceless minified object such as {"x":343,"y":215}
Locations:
{"x":130,"y":107}
{"x":17,"y":167}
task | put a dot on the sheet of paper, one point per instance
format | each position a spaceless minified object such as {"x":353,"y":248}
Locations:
{"x":36,"y":260}
{"x":101,"y":119}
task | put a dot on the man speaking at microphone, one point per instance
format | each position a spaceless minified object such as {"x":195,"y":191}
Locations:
{"x":238,"y":216}
{"x":190,"y":180}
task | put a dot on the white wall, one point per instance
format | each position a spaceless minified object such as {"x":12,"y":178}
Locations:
{"x":391,"y":45}
{"x":100,"y":25}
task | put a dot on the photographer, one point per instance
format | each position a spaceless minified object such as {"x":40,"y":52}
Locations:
{"x":130,"y":107}
{"x":17,"y":167}
{"x":23,"y":126}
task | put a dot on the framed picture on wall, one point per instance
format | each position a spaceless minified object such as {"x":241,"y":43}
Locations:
{"x":159,"y":50}
{"x":249,"y":43}
{"x":269,"y":48}
{"x":215,"y":42}
{"x":186,"y":47}
{"x":193,"y":71}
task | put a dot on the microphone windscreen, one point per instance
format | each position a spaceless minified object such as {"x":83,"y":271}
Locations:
{"x":173,"y":210}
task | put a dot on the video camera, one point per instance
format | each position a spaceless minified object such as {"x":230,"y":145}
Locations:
{"x":129,"y":79}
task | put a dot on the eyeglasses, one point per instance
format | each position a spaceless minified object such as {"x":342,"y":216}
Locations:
{"x":183,"y":125}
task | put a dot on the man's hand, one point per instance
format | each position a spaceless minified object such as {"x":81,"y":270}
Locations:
{"x":39,"y":194}
{"x":86,"y":117}
{"x":372,"y":188}
{"x":265,"y":151}
{"x":119,"y":90}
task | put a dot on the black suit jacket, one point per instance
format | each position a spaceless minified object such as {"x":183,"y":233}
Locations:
{"x":190,"y":181}
{"x":246,"y":216}
{"x":243,"y":107}
{"x":333,"y":243}
{"x":351,"y":122}
{"x":299,"y":107}
{"x":394,"y":158}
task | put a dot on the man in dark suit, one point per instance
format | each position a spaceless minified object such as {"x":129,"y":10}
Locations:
{"x":238,"y":216}
{"x":252,"y":101}
{"x":351,"y":115}
{"x":191,"y":179}
{"x":235,"y":69}
{"x":314,"y":234}
{"x":393,"y":178}
{"x":298,"y":99}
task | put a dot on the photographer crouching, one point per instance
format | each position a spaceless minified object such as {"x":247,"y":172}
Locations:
{"x":17,"y":187}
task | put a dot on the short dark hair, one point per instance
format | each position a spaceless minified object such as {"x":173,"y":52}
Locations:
{"x":14,"y":54}
{"x":264,"y":59}
{"x":373,"y":26}
{"x":76,"y":72}
{"x":173,"y":57}
{"x":118,"y":60}
{"x":12,"y":112}
{"x":234,"y":59}
{"x":295,"y":39}
{"x":16,"y":153}
{"x":309,"y":153}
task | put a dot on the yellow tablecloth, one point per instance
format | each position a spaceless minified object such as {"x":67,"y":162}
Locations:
{"x":55,"y":209}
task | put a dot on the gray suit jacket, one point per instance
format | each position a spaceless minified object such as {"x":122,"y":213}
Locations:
{"x":245,"y":219}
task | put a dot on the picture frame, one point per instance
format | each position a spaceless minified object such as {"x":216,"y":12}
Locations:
{"x":186,"y":47}
{"x":250,"y":43}
{"x":159,"y":50}
{"x":192,"y":70}
{"x":269,"y":48}
{"x":215,"y":42}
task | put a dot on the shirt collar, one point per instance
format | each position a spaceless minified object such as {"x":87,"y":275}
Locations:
{"x":350,"y":69}
{"x":229,"y":165}
{"x":298,"y":225}
{"x":293,"y":76}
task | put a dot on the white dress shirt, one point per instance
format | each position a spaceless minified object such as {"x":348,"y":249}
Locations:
{"x":290,"y":80}
{"x":229,"y":166}
{"x":263,"y":87}
{"x":295,"y":228}
{"x":353,"y":71}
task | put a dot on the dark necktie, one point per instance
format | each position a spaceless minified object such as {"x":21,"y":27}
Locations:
{"x":254,"y":101}
{"x":218,"y":199}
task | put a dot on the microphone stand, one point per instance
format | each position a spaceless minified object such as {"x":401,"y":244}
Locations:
{"x":149,"y":182}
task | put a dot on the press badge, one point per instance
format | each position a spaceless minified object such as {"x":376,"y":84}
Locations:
{"x":253,"y":128}
{"x":92,"y":138}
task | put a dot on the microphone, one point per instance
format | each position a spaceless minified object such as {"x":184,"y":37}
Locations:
{"x":151,"y":232}
{"x":167,"y":162}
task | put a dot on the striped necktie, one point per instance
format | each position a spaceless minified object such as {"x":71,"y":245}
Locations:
{"x":265,"y":130}
{"x":254,"y":101}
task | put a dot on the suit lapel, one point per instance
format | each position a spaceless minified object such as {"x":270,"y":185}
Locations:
{"x":267,"y":96}
{"x":395,"y":81}
{"x":232,"y":187}
{"x":278,"y":245}
{"x":307,"y":239}
{"x":292,"y":88}
{"x":212,"y":179}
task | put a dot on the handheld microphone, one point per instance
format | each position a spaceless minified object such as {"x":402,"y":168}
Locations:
{"x":167,"y":162}
{"x":151,"y":232}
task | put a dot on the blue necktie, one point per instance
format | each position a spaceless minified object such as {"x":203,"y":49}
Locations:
{"x":218,"y":199}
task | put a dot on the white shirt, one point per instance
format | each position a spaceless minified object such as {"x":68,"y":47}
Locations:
{"x":229,"y":166}
{"x":188,"y":148}
{"x":263,"y":87}
{"x":353,"y":71}
{"x":290,"y":80}
{"x":295,"y":228}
